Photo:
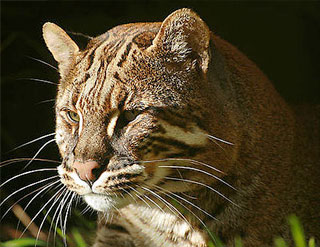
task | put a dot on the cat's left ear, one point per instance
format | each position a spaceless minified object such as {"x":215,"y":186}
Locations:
{"x":62,"y":47}
{"x":182,"y":34}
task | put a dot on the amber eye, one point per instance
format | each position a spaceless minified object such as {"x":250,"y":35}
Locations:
{"x":131,"y":115}
{"x":73,"y":116}
{"x":125,"y":118}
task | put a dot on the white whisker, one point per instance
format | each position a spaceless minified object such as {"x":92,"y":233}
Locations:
{"x":154,"y":203}
{"x":55,"y":213}
{"x":134,"y":199}
{"x":46,"y":215}
{"x":25,"y":187}
{"x":46,"y":101}
{"x":39,"y":80}
{"x":43,"y":62}
{"x":44,"y":187}
{"x":27,"y":143}
{"x":39,"y":212}
{"x":202,"y":184}
{"x":26,"y":173}
{"x":197,"y":217}
{"x":47,"y":187}
{"x":43,"y":146}
{"x":192,"y":204}
{"x":169,"y":206}
{"x":218,"y":139}
{"x":59,"y":215}
{"x":195,"y":162}
{"x":17,"y":160}
{"x":86,"y":209}
{"x":201,"y":171}
{"x":67,"y":213}
{"x":140,"y":196}
{"x":218,"y":144}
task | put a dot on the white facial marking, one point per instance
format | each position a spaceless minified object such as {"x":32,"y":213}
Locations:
{"x":59,"y":136}
{"x":112,"y":123}
{"x":100,"y":203}
{"x":194,"y":137}
{"x":80,"y":122}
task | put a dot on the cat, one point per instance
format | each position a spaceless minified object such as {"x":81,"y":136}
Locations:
{"x":179,"y":137}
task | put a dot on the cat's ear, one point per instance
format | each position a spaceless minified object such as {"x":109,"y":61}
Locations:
{"x":184,"y":33}
{"x":62,"y":47}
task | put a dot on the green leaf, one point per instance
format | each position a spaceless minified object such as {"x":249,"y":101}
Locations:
{"x":297,"y":231}
{"x":23,"y":242}
{"x":312,"y":242}
{"x":238,"y":242}
{"x":83,"y":222}
{"x":279,"y":242}
{"x":79,"y":241}
{"x":210,"y":244}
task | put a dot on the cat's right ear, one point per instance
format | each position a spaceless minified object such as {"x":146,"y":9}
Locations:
{"x":62,"y":47}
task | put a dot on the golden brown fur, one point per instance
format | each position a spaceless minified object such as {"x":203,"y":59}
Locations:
{"x":152,"y":102}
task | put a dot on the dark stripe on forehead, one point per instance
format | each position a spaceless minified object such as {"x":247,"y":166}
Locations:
{"x":103,"y":81}
{"x":107,"y":99}
{"x":86,"y":77}
{"x":117,"y":77}
{"x":91,"y":56}
{"x":115,"y":48}
{"x":101,"y":75}
{"x":110,"y":49}
{"x":124,"y":55}
{"x":88,"y":96}
{"x":122,"y":100}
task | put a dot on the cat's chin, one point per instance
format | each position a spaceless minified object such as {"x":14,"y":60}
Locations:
{"x":103,"y":203}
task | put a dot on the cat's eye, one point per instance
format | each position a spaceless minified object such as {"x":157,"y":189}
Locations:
{"x":131,"y":115}
{"x":73,"y":116}
{"x":125,"y":118}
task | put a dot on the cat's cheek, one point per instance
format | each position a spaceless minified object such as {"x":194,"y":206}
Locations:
{"x":61,"y":142}
{"x":59,"y":137}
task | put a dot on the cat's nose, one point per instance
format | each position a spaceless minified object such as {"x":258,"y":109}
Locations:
{"x":88,"y":171}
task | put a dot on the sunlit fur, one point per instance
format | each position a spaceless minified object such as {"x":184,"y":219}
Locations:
{"x":191,"y":136}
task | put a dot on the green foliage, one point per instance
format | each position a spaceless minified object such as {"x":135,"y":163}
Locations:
{"x":279,"y":242}
{"x":296,"y":232}
{"x":78,"y":239}
{"x":237,"y":242}
{"x":80,"y":234}
{"x":312,"y":242}
{"x":23,"y":242}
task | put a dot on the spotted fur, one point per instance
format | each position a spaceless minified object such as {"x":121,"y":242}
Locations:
{"x":190,"y":136}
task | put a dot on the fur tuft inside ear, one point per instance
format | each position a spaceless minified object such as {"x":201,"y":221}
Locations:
{"x":62,"y":47}
{"x":182,"y":33}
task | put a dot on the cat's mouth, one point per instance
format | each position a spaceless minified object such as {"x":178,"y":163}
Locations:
{"x":106,"y":193}
{"x":104,"y":203}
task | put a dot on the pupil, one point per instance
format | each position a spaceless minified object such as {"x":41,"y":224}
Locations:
{"x":74,"y":116}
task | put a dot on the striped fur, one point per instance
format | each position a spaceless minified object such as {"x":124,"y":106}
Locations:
{"x":175,"y":117}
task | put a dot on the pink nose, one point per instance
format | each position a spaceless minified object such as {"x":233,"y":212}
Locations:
{"x":87,"y":170}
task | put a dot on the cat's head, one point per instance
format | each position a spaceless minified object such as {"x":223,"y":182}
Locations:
{"x":131,"y":107}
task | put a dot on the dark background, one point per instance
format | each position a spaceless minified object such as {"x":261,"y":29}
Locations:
{"x":282,"y":38}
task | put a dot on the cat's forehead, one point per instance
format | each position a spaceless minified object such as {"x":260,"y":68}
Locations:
{"x":118,"y":42}
{"x":113,"y":69}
